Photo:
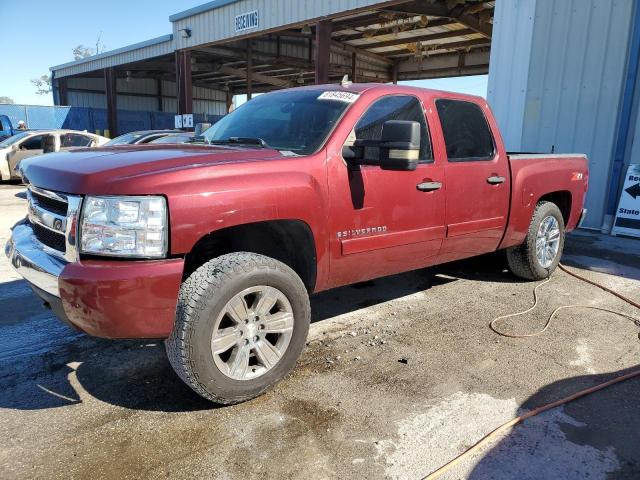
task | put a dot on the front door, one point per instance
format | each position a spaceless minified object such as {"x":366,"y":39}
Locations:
{"x":478,"y":181}
{"x":384,"y":222}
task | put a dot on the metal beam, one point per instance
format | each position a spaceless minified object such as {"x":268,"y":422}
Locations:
{"x":323,"y":44}
{"x":421,"y":38}
{"x":249,"y":75}
{"x":184,"y":82}
{"x":439,"y":22}
{"x":62,"y":91}
{"x":159,"y":92}
{"x":112,"y":101}
{"x":441,"y":10}
{"x":258,"y":77}
{"x":466,"y":44}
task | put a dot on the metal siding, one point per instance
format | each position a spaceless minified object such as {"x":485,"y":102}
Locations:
{"x":206,"y":100}
{"x":218,"y":24}
{"x":633,"y":142}
{"x":569,"y":81}
{"x":509,"y":66}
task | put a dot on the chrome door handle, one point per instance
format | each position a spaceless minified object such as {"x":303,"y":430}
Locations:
{"x":429,"y":186}
{"x":495,"y":180}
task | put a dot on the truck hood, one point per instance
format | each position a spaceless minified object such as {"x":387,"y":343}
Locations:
{"x":93,"y":169}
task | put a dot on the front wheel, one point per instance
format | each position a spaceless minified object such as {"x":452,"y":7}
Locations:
{"x":539,"y":255}
{"x":241,"y":324}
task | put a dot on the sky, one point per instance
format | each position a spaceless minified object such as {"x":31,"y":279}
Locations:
{"x":37,"y":34}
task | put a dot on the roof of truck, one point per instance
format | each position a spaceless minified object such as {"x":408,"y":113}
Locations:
{"x":385,"y":88}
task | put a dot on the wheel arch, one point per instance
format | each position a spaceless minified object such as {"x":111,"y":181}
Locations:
{"x":562,"y":199}
{"x":290,"y":241}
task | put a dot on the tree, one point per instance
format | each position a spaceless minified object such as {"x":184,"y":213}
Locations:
{"x":81,"y":52}
{"x":4,"y":99}
{"x":42,"y":84}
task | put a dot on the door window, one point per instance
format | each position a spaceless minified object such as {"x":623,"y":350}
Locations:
{"x":68,"y":140}
{"x":394,"y":107}
{"x":33,"y":143}
{"x":466,"y":132}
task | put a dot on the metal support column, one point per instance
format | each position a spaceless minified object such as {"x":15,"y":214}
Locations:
{"x":249,"y":70}
{"x":323,"y":44}
{"x":184,"y":84}
{"x":159,"y":92}
{"x":112,"y":100}
{"x":62,"y":92}
{"x":229,"y":98}
{"x":354,"y":60}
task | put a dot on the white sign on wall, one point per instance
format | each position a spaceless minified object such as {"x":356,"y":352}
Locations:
{"x":187,"y":120}
{"x":177,"y":121}
{"x":246,"y":21}
{"x":628,"y":214}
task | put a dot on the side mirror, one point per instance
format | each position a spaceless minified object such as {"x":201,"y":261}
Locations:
{"x":400,"y":145}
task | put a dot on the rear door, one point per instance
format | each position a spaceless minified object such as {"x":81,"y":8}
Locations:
{"x":384,"y":222}
{"x":477,"y":180}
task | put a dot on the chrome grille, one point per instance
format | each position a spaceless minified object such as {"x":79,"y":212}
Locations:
{"x":53,"y":217}
{"x":51,"y":204}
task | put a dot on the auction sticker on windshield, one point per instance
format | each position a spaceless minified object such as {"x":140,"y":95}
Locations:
{"x":347,"y":97}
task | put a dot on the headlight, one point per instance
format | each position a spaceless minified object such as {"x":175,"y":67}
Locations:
{"x":124,"y":226}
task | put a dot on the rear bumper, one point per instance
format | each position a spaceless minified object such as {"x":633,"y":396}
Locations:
{"x":104,"y":298}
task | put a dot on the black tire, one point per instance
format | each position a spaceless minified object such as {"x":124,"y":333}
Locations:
{"x":202,"y":297}
{"x":522,"y":259}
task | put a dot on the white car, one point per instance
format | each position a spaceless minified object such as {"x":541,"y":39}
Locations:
{"x":36,"y":142}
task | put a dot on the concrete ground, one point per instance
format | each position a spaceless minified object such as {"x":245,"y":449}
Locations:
{"x":78,"y":407}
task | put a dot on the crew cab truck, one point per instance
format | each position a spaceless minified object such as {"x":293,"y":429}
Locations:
{"x":215,"y":247}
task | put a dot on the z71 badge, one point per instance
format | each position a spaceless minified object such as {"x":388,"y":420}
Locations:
{"x":358,"y":232}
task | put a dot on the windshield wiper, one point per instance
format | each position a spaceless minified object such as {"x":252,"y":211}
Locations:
{"x":241,"y":141}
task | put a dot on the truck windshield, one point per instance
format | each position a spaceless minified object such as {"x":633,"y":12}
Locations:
{"x":11,"y":140}
{"x":297,"y":121}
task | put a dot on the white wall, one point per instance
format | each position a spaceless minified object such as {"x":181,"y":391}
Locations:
{"x":556,"y":78}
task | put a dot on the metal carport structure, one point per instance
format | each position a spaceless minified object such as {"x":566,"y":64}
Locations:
{"x":208,"y":58}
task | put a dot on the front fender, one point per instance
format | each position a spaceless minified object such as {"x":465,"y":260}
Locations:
{"x":235,"y":200}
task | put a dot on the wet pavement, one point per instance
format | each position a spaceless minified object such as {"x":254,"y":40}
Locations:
{"x":72,"y":406}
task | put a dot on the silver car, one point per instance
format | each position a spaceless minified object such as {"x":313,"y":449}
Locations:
{"x":36,"y":142}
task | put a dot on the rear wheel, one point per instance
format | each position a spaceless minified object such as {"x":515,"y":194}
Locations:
{"x":241,"y":324}
{"x":539,"y":255}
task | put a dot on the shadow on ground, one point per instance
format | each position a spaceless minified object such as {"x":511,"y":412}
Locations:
{"x":137,"y":374}
{"x":604,"y":427}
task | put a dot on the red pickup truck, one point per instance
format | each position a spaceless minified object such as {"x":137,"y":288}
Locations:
{"x":216,"y":246}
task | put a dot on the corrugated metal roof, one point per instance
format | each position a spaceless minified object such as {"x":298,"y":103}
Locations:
{"x":131,"y":53}
{"x":200,"y":9}
{"x":218,"y":24}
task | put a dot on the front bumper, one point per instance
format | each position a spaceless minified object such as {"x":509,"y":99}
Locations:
{"x":104,"y":298}
{"x":31,"y":260}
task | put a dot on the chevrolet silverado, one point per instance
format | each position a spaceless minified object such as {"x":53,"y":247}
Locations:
{"x":216,"y":246}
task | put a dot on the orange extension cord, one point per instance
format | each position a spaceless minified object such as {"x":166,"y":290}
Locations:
{"x":487,"y":438}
